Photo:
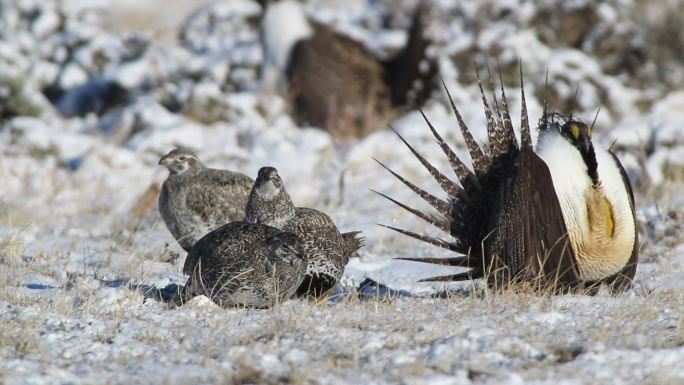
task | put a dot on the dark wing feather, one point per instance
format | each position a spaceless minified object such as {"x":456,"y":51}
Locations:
{"x":528,"y":238}
{"x":531,"y":241}
{"x":216,"y":240}
{"x":242,"y":257}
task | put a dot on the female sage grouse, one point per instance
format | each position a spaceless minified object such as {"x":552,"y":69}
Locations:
{"x":196,"y":199}
{"x":333,"y":81}
{"x":561,"y":217}
{"x":245,"y":265}
{"x":325,"y":249}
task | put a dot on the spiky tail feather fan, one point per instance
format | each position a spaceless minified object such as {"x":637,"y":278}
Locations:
{"x":467,"y":214}
{"x":353,"y":242}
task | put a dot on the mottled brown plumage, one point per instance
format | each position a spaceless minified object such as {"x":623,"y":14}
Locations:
{"x":326,"y":250}
{"x":196,"y":199}
{"x":245,"y":265}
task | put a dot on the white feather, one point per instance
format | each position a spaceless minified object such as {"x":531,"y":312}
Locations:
{"x":570,"y":179}
{"x":284,"y":24}
{"x":571,"y":182}
{"x":615,"y":190}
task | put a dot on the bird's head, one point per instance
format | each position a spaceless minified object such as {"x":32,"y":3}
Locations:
{"x":575,"y":132}
{"x":180,"y":160}
{"x":579,"y":134}
{"x":268,"y":183}
{"x":268,"y":202}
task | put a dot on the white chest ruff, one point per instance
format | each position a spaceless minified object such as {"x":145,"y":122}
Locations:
{"x":597,"y":257}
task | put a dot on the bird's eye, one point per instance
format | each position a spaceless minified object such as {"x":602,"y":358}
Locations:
{"x":182,"y":158}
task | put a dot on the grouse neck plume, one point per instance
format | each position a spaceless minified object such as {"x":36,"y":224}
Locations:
{"x":334,"y":82}
{"x":560,"y":218}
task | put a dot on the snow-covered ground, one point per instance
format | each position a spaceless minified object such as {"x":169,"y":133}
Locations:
{"x":84,"y":258}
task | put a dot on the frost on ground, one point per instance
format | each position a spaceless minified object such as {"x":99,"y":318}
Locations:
{"x":84,"y":259}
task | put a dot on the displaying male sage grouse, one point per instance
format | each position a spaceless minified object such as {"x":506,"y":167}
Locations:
{"x":245,"y":265}
{"x":325,"y":249}
{"x":561,"y":218}
{"x":196,"y":199}
{"x":334,"y":82}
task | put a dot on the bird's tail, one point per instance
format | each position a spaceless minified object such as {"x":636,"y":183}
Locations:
{"x":353,"y":241}
{"x":411,"y":73}
{"x":462,"y":215}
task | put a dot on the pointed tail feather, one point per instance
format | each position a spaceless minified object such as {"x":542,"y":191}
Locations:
{"x":457,"y":164}
{"x":545,"y":110}
{"x":489,"y":116}
{"x":497,"y":117}
{"x":525,"y":134}
{"x":481,"y":161}
{"x":467,"y":214}
{"x":447,"y":185}
{"x":453,"y":261}
{"x":511,"y":142}
{"x":465,"y":276}
{"x":353,"y":241}
{"x":440,"y":205}
{"x":427,"y":239}
{"x":441,"y":224}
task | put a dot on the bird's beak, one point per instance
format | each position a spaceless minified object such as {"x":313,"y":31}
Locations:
{"x":162,"y":162}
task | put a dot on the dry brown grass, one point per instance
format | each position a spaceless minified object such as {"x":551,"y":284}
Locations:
{"x":534,"y":335}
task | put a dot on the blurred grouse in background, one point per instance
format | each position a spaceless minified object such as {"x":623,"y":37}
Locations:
{"x":334,"y":82}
